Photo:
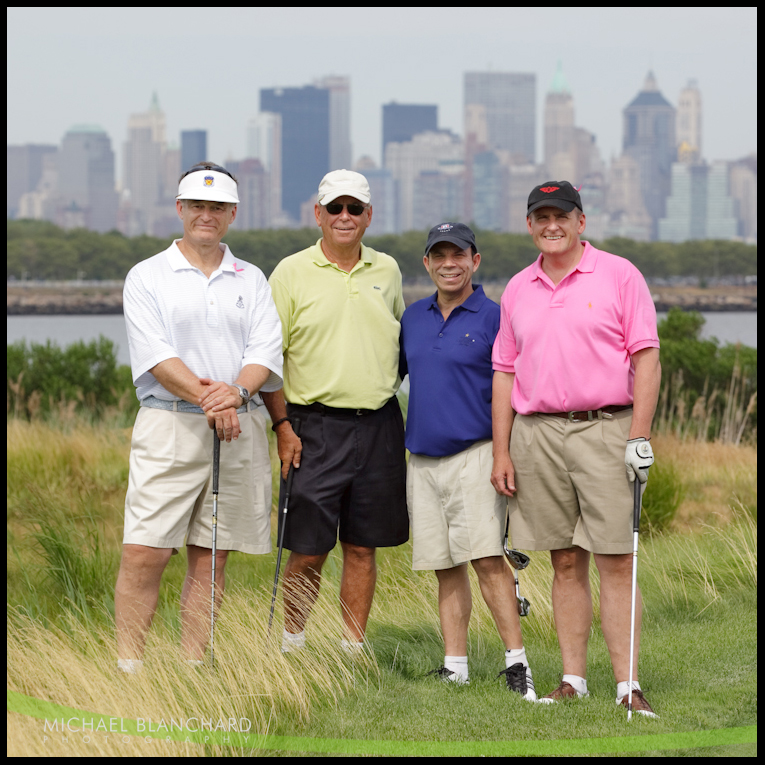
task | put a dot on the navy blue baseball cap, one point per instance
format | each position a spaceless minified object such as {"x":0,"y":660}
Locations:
{"x":456,"y":233}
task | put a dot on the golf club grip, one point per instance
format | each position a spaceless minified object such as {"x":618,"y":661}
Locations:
{"x":637,"y":504}
{"x":216,"y":460}
{"x":291,"y":472}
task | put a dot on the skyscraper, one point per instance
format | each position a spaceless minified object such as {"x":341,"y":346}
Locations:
{"x":340,"y":153}
{"x":305,"y":114}
{"x":689,"y":118}
{"x":24,"y":169}
{"x":649,"y":138}
{"x":559,"y":130}
{"x":86,"y":176}
{"x":510,"y":102}
{"x":403,"y":121}
{"x":193,"y":148}
{"x":264,"y":143}
{"x":142,"y":177}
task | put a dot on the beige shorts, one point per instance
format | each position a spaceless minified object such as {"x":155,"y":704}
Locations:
{"x":572,"y":485}
{"x":454,"y":512}
{"x":169,"y":495}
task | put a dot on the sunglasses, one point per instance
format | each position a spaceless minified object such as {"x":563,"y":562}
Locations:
{"x":206,"y":166}
{"x":335,"y":208}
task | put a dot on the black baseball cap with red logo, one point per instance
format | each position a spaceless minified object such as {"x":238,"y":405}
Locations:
{"x":560,"y":194}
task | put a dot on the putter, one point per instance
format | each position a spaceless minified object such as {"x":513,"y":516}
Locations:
{"x":282,"y":524}
{"x":216,"y":470}
{"x":518,"y":561}
{"x":635,"y":530}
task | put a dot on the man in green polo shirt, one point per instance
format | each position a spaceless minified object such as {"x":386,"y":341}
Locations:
{"x":340,"y":305}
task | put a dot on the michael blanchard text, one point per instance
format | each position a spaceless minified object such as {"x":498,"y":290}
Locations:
{"x":143,"y":725}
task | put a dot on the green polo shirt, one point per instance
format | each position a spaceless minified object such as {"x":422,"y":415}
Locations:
{"x":340,"y":331}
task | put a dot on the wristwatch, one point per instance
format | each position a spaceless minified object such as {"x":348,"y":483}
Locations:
{"x":243,"y":392}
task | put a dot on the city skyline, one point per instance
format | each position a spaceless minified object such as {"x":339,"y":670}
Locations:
{"x":59,"y":76}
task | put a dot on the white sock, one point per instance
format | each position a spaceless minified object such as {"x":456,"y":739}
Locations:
{"x":515,"y":655}
{"x":458,"y":665}
{"x":292,"y":642}
{"x":195,"y":662}
{"x":623,"y":688}
{"x":352,"y":646}
{"x":579,"y":683}
{"x":130,"y":666}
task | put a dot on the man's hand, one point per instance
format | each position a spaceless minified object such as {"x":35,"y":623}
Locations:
{"x":503,"y":475}
{"x":218,"y":396}
{"x":638,"y":458}
{"x":226,"y":423}
{"x":289,"y":446}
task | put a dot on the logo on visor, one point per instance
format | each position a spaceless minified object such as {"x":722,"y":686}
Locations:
{"x":549,"y":189}
{"x":445,"y":227}
{"x":209,"y":180}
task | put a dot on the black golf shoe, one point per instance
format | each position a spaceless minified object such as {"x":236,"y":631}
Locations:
{"x":518,"y":679}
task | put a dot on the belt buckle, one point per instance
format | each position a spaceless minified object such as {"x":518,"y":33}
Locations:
{"x":571,"y":417}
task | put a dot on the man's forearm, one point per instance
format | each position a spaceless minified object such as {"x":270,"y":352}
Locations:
{"x":502,"y":413}
{"x":645,"y":392}
{"x":176,"y":377}
{"x":275,"y":404}
{"x":253,"y":377}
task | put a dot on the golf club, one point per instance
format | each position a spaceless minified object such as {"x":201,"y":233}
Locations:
{"x":216,"y":470}
{"x":635,"y":530}
{"x":518,"y":561}
{"x":282,"y":524}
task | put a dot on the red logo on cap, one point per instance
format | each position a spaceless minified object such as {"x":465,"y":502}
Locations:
{"x":548,"y":189}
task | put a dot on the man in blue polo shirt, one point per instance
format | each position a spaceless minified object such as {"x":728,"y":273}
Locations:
{"x":455,"y":514}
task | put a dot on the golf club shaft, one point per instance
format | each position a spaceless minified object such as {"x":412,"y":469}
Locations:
{"x":635,"y":534}
{"x":282,"y":524}
{"x":216,"y":470}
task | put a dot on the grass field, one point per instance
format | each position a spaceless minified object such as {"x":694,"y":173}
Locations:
{"x":65,"y":492}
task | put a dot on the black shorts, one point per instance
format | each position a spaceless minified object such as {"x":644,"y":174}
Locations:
{"x":352,"y":475}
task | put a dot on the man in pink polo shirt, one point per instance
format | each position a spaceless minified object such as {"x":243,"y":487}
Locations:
{"x":576,"y":381}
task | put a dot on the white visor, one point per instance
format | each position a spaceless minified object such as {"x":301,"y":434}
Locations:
{"x":208,"y":185}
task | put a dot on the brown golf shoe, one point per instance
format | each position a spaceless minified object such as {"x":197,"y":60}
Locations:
{"x":639,"y":703}
{"x":563,"y":691}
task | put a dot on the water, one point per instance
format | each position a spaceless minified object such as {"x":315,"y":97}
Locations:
{"x":734,"y":327}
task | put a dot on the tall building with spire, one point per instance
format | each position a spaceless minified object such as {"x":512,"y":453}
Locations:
{"x":689,"y":119}
{"x":649,"y":138}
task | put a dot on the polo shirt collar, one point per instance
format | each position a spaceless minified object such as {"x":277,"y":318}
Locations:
{"x":318,"y":256}
{"x":178,"y":262}
{"x":472,"y":303}
{"x":586,"y":264}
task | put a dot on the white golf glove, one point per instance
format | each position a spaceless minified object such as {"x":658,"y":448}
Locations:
{"x":638,"y":458}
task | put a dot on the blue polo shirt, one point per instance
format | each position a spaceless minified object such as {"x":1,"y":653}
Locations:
{"x":449,"y":366}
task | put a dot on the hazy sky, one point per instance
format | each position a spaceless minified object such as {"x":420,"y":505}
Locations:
{"x":98,"y":65}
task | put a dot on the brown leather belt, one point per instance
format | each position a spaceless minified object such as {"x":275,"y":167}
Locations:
{"x":592,"y":414}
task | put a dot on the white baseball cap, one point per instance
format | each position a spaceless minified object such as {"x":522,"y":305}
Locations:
{"x":209,"y":185}
{"x":343,"y":183}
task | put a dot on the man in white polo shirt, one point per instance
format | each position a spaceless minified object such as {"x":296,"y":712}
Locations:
{"x":204,"y":337}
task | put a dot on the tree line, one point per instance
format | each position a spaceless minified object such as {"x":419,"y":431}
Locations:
{"x":42,"y":250}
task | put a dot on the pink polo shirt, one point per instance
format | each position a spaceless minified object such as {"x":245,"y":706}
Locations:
{"x":569,"y":345}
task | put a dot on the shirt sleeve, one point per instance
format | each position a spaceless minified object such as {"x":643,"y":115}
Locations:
{"x":504,"y":351}
{"x":148,"y":339}
{"x":264,"y":341}
{"x":283,"y":303}
{"x":639,"y":322}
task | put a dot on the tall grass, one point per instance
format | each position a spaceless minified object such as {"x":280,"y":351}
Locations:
{"x":65,"y":491}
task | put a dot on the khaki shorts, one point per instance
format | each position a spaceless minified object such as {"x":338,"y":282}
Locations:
{"x":169,"y":495}
{"x":455,"y":514}
{"x":572,"y":485}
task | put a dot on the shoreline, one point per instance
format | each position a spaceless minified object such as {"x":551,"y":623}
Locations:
{"x":63,"y":300}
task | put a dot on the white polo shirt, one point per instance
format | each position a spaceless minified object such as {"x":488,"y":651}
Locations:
{"x":214,"y":326}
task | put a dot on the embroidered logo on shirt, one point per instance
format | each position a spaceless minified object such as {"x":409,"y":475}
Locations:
{"x":378,"y":288}
{"x":240,"y":302}
{"x":589,"y":305}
